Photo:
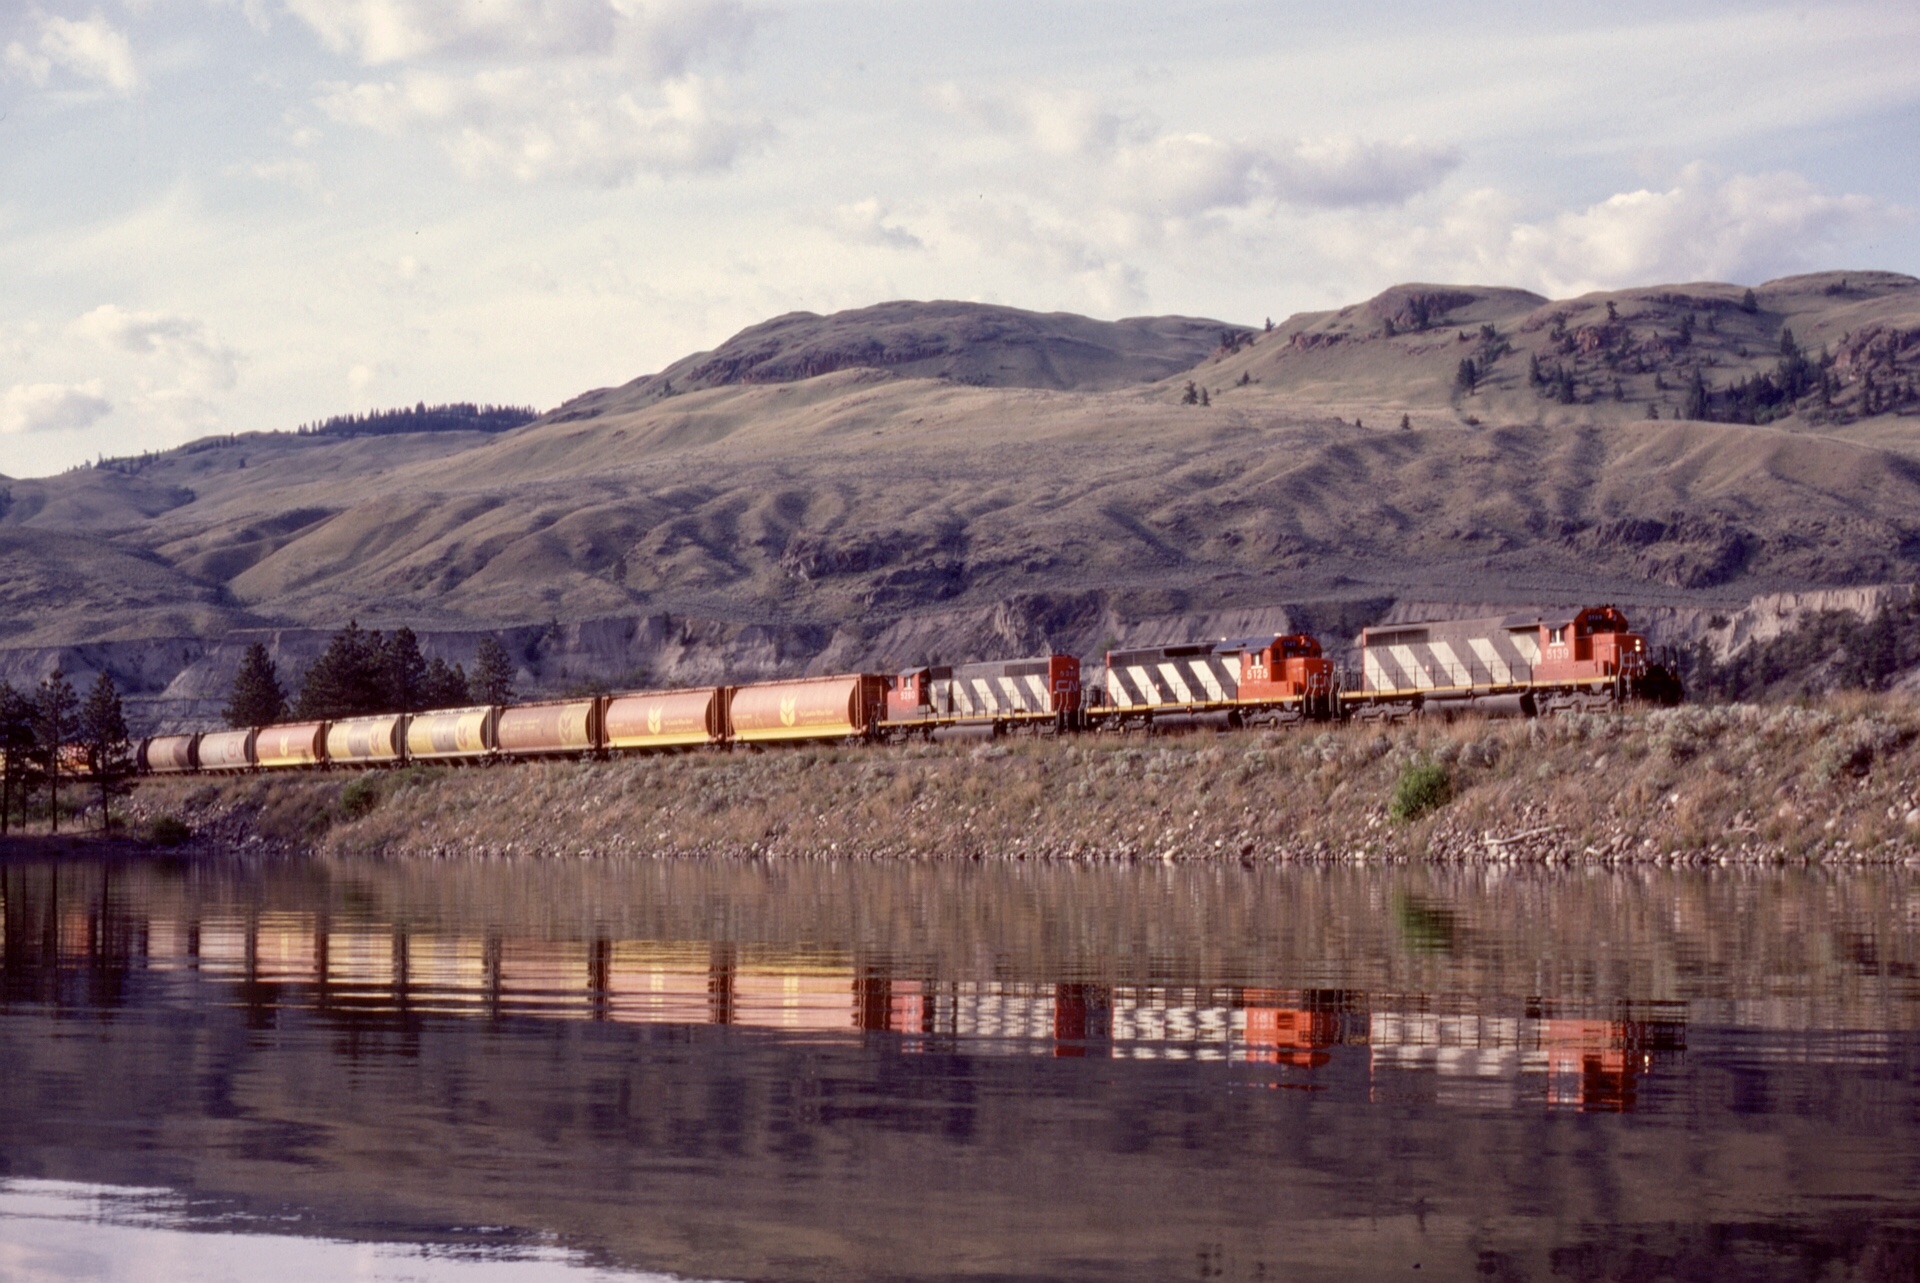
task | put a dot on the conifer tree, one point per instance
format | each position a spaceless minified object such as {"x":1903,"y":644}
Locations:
{"x":445,"y":685}
{"x":403,"y":671}
{"x":103,"y":730}
{"x":349,"y":678}
{"x":54,"y":726}
{"x":16,"y":749}
{"x":257,"y":698}
{"x":492,"y":679}
{"x":1699,"y":404}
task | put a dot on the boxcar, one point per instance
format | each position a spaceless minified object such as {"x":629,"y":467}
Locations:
{"x":170,"y":754}
{"x":295,"y":744}
{"x":227,"y":750}
{"x":452,"y":734}
{"x":557,"y":728}
{"x":666,"y":719}
{"x":852,"y":706}
{"x":367,"y":741}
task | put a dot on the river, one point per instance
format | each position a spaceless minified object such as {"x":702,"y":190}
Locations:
{"x":609,"y":1069}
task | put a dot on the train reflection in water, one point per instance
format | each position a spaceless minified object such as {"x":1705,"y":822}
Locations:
{"x":372,"y":972}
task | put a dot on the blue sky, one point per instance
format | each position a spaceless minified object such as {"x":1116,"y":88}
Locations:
{"x":226,"y":215}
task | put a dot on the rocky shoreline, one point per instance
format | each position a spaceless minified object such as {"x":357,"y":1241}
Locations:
{"x":1836,"y":782}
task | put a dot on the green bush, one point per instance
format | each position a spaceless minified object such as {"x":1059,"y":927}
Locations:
{"x":169,"y":830}
{"x":1423,"y":787}
{"x":360,"y":796}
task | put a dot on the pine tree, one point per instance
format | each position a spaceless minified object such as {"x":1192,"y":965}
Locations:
{"x":16,"y":749}
{"x":257,"y":698}
{"x":1191,"y":396}
{"x":54,"y":727}
{"x":445,"y":685}
{"x":492,"y":678}
{"x":1467,"y":376}
{"x":349,"y":678}
{"x":1699,"y":404}
{"x":103,"y":730}
{"x":1749,"y":304}
{"x":403,"y":670}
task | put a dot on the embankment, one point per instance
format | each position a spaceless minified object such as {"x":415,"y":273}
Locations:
{"x":1837,"y":782}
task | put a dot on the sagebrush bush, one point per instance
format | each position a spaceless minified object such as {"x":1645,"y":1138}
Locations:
{"x":360,"y":796}
{"x":1423,"y":787}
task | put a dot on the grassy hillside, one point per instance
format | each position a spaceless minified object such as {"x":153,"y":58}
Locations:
{"x":958,"y":459}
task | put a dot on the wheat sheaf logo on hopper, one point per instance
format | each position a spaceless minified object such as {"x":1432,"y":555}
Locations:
{"x":789,"y":710}
{"x":653,"y":720}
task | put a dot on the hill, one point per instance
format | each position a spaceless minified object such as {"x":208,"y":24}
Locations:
{"x":971,"y":343}
{"x":973,"y":480}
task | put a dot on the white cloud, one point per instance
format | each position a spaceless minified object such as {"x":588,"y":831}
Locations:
{"x":91,"y":48}
{"x":53,"y":407}
{"x":659,"y":39}
{"x":1707,"y":226}
{"x":591,"y":91}
{"x":301,"y":175}
{"x":532,"y":126}
{"x":1053,"y":249}
{"x":198,"y":358}
{"x":1342,"y":172}
{"x":864,"y":222}
{"x":1134,"y":165}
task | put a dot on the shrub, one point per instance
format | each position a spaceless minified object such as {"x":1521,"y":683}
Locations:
{"x":169,"y":830}
{"x":1423,"y":787}
{"x":360,"y":796}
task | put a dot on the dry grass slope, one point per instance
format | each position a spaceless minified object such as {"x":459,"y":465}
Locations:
{"x":849,"y":474}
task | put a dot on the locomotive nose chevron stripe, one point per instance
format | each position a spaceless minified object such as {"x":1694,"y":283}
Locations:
{"x":1450,"y":654}
{"x":1185,"y":679}
{"x":995,"y":690}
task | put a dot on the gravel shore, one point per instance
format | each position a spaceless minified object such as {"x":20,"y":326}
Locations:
{"x":1832,"y":782}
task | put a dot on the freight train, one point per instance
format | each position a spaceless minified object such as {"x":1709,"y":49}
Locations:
{"x":1517,"y":665}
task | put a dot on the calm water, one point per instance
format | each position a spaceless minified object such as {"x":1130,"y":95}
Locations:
{"x":596,"y":1070}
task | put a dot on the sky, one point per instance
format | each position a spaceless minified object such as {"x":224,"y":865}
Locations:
{"x":236,"y":215}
